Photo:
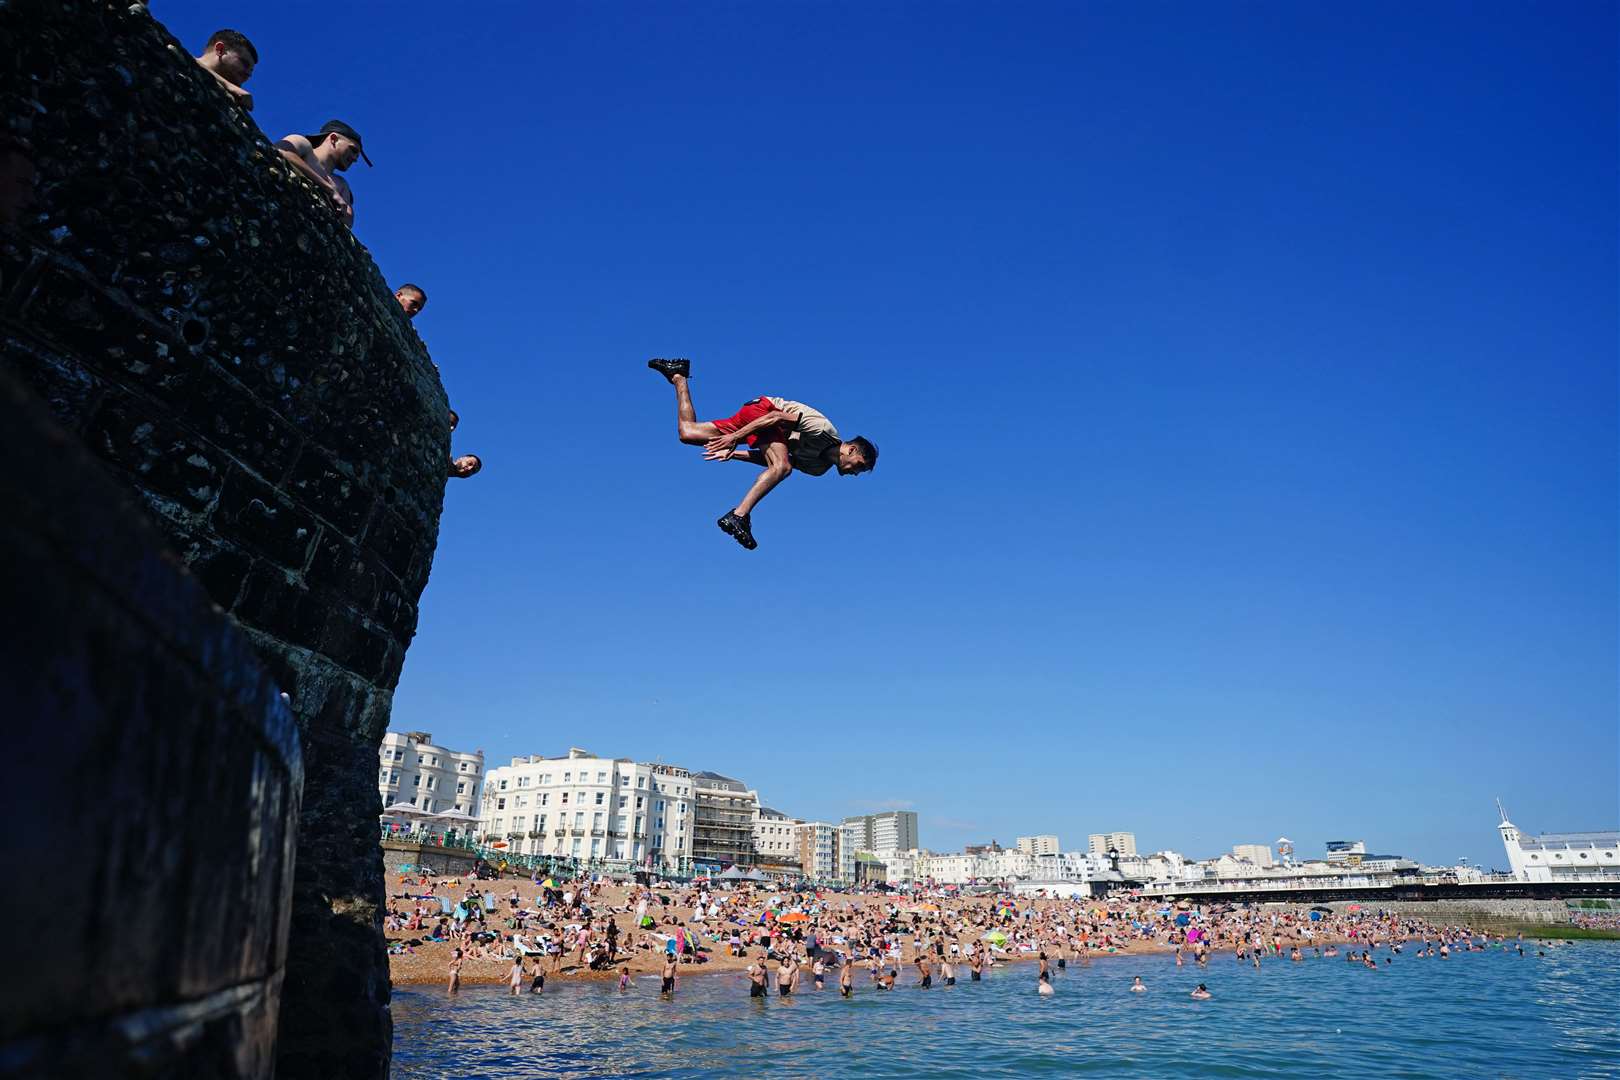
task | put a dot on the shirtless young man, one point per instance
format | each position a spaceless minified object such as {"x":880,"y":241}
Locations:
{"x":322,"y":156}
{"x":230,"y":58}
{"x":777,"y":434}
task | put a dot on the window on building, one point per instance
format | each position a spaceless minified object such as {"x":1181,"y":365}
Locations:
{"x":601,"y":777}
{"x":565,"y":798}
{"x":576,"y":845}
{"x":579,"y":820}
{"x":520,"y":802}
{"x":523,"y":781}
{"x":517,"y":822}
{"x":599,"y":795}
{"x":660,"y":806}
{"x":461,"y":788}
{"x":638,"y":802}
{"x":382,"y":776}
{"x":680,"y":808}
{"x":596,"y":820}
{"x":540,"y":823}
{"x":544,"y":797}
{"x":658,"y":823}
{"x":503,"y":785}
{"x":623,"y":801}
{"x":416,"y":780}
{"x":567,"y":776}
{"x":432,"y":783}
{"x":641,"y":781}
{"x":500,"y":804}
{"x":596,"y":846}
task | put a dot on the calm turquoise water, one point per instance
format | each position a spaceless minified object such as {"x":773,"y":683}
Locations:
{"x":1490,"y":1014}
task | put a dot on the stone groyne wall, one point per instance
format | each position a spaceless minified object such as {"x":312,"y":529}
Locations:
{"x":157,"y":772}
{"x":192,"y":312}
{"x":1478,"y":913}
{"x":426,"y":859}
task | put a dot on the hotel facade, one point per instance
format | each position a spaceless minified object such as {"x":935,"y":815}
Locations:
{"x":587,"y":807}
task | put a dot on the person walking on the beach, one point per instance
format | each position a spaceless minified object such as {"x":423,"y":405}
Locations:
{"x":775,"y":433}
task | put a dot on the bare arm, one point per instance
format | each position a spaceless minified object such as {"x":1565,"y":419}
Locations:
{"x":238,"y":95}
{"x":293,"y":148}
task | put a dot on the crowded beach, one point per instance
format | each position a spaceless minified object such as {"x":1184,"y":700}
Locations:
{"x":454,"y":931}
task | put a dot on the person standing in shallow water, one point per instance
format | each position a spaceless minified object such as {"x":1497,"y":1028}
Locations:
{"x":455,"y":972}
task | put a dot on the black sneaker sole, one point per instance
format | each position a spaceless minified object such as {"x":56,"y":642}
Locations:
{"x":743,"y":536}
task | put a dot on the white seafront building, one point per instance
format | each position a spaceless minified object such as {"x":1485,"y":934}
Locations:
{"x":1070,"y":873}
{"x":776,"y":851}
{"x":414,"y":770}
{"x":1572,"y":857}
{"x":888,"y":831}
{"x":587,"y":807}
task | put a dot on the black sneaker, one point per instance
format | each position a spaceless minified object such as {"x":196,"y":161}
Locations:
{"x":737,"y":526}
{"x":671,"y":368}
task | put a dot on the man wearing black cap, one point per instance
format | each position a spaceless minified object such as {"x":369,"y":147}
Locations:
{"x":322,"y":156}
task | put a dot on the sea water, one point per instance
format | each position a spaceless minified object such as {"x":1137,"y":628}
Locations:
{"x":1482,"y":1014}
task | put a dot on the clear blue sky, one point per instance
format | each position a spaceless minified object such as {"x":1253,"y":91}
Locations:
{"x":1244,"y":376}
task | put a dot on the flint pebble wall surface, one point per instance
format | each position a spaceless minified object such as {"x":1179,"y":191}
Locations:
{"x":190,"y":308}
{"x":165,"y":930}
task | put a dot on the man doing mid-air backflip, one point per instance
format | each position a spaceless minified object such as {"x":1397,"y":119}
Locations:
{"x":772,"y":432}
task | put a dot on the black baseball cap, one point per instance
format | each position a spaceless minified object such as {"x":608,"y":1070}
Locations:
{"x":340,"y":128}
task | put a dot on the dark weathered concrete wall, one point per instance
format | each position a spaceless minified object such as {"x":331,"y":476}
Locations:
{"x":155,"y":778}
{"x":192,"y":310}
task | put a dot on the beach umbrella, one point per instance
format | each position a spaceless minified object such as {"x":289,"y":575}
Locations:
{"x":996,"y":937}
{"x":794,"y":916}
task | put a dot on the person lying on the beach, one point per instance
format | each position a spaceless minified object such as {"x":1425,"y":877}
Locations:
{"x":778,"y":435}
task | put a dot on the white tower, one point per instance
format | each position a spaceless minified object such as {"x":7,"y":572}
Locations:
{"x":1510,"y":841}
{"x":1285,"y":850}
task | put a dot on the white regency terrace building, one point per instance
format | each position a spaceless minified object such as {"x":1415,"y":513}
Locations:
{"x":588,"y":807}
{"x":412,"y":770}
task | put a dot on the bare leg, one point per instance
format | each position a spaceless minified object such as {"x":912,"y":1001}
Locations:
{"x":692,"y":431}
{"x":776,"y":470}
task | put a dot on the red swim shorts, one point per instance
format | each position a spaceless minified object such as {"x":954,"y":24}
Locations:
{"x":750,"y":412}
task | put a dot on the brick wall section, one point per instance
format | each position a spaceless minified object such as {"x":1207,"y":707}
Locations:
{"x":187,"y":306}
